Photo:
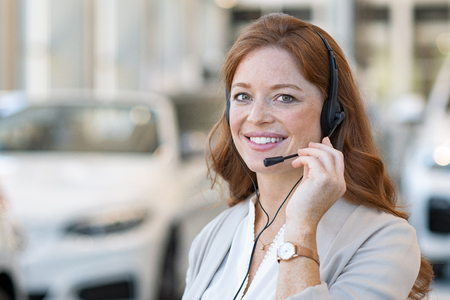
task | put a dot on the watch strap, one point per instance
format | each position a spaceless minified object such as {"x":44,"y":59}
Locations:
{"x":301,"y":251}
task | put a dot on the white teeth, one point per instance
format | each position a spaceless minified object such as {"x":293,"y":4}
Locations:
{"x":265,"y":140}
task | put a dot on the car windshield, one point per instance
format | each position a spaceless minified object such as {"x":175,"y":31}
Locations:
{"x":80,"y":128}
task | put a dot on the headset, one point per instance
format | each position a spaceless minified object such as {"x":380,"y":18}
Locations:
{"x":332,"y":111}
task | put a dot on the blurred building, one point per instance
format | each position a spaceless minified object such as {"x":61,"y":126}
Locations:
{"x":177,"y":46}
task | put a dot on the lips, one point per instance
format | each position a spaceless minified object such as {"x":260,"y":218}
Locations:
{"x":261,"y":140}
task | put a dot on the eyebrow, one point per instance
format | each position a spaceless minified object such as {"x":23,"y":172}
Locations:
{"x":241,"y":84}
{"x":285,"y":85}
{"x":273,"y":87}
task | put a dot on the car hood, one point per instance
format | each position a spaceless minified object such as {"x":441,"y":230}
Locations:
{"x":58,"y":187}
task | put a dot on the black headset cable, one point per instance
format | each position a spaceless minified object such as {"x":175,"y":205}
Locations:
{"x":268,"y":223}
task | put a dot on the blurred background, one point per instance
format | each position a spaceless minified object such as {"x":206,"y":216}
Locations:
{"x":105,"y":106}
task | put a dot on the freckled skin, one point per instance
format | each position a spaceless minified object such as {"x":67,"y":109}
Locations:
{"x":257,"y":76}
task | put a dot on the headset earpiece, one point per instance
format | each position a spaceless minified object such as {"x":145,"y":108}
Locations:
{"x":332,"y":112}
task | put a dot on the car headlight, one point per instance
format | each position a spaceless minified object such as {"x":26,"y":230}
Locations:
{"x":109,"y":222}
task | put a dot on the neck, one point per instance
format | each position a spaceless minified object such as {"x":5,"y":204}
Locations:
{"x":274,"y":189}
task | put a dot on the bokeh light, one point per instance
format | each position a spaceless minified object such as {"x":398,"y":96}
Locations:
{"x":442,"y":155}
{"x":443,"y":43}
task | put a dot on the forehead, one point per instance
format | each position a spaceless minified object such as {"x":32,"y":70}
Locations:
{"x":268,"y":63}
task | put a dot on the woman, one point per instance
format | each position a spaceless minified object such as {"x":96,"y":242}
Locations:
{"x":323,"y":225}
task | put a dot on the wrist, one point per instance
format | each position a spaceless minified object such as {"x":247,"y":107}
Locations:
{"x":304,"y":220}
{"x":288,"y":251}
{"x":301,"y":229}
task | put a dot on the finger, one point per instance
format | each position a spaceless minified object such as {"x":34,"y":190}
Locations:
{"x":308,"y":161}
{"x":305,"y":172}
{"x":314,"y":170}
{"x":337,"y":155}
{"x":325,"y":157}
{"x":326,"y":154}
{"x":326,"y":141}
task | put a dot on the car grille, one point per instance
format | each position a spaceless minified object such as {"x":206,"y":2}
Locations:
{"x":439,"y":215}
{"x":115,"y":290}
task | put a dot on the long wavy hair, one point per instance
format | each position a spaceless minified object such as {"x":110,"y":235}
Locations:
{"x":367,"y":179}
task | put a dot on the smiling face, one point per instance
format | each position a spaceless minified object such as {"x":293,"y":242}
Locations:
{"x":274,"y":110}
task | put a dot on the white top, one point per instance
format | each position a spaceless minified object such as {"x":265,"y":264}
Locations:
{"x":234,"y":267}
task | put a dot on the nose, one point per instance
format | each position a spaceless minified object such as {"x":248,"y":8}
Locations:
{"x":261,"y":112}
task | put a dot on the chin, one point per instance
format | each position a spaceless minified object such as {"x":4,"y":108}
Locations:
{"x":255,"y":165}
{"x":258,"y":167}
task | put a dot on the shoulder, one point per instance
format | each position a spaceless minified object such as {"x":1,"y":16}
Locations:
{"x":348,"y":221}
{"x":221,"y":225}
{"x":356,"y":241}
{"x":210,"y":247}
{"x":231,"y":215}
{"x":385,"y":233}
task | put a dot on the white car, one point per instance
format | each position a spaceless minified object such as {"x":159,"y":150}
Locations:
{"x":98,"y":186}
{"x":11,"y":281}
{"x":425,"y":179}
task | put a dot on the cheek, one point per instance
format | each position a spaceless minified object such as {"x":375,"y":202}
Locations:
{"x":307,"y":125}
{"x":235,"y":122}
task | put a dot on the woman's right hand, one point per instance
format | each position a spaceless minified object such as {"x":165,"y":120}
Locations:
{"x":322,"y":185}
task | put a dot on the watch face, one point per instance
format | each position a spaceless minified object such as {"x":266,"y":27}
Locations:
{"x":286,"y":251}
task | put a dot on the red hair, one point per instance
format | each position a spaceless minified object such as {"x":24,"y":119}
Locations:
{"x":367,"y":179}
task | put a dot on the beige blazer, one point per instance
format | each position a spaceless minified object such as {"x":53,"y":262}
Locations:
{"x":364,"y":254}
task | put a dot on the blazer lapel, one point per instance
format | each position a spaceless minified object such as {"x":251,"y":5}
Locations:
{"x":217,"y":247}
